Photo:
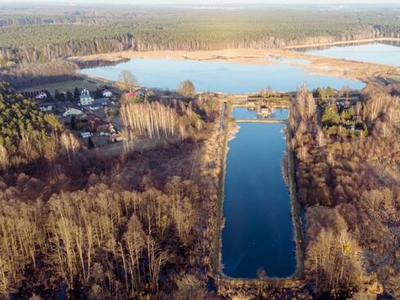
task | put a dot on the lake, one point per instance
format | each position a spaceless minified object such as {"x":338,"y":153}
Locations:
{"x":374,"y":53}
{"x":258,"y":230}
{"x":223,"y":77}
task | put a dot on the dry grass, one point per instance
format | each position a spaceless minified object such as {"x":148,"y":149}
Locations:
{"x":65,"y":86}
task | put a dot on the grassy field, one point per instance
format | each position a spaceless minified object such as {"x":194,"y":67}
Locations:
{"x":66,"y":86}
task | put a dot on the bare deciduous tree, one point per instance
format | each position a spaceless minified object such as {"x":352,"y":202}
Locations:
{"x":70,"y":145}
{"x":128,"y":80}
{"x":4,"y":159}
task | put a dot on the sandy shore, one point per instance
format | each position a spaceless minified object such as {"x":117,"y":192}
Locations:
{"x":313,"y":64}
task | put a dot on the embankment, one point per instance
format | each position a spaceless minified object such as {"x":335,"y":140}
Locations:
{"x":265,"y":287}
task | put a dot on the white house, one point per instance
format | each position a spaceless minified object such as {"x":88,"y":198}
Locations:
{"x":72,"y":111}
{"x":85,"y":98}
{"x":46,"y":107}
{"x":107,"y":94}
{"x":85,"y":135}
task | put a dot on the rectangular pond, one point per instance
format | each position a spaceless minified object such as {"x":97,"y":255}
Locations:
{"x":258,"y":232}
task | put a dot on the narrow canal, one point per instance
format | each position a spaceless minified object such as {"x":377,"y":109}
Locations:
{"x":258,"y":232}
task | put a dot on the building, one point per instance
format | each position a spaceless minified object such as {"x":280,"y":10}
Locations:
{"x":95,"y":107}
{"x":41,"y":96}
{"x":107,"y":94}
{"x":72,"y":111}
{"x":46,"y":106}
{"x":85,"y":98}
{"x":105,"y":128}
{"x":85,"y":134}
{"x":116,"y":137}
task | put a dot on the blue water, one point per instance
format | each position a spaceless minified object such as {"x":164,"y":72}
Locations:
{"x":219,"y":76}
{"x":374,"y":53}
{"x":258,"y":232}
{"x":244,"y":113}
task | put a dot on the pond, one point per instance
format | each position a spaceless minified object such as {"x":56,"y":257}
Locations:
{"x":223,"y":77}
{"x":373,"y":53}
{"x":258,"y":232}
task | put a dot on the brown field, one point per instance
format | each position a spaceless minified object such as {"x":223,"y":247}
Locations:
{"x":65,"y":86}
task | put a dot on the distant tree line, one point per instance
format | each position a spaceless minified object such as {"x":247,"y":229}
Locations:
{"x":184,"y":30}
{"x":39,"y":73}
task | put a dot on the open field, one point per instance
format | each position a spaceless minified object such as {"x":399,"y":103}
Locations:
{"x":393,"y":78}
{"x":86,"y":83}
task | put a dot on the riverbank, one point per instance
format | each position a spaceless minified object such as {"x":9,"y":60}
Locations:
{"x":313,"y":64}
{"x":298,"y":236}
{"x":266,"y":287}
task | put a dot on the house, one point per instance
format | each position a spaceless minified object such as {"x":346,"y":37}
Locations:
{"x":41,"y":96}
{"x":130,"y":95}
{"x":106,"y":94}
{"x":72,"y":111}
{"x":104,"y":128}
{"x":265,"y":112}
{"x":139,"y":93}
{"x":46,"y":106}
{"x":100,"y":103}
{"x":251,"y":104}
{"x":85,"y":98}
{"x":116,"y":137}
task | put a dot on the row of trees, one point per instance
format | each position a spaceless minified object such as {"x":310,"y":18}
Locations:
{"x":39,"y":73}
{"x":114,"y":244}
{"x":157,"y":120}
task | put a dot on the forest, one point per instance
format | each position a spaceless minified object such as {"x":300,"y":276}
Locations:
{"x":90,"y":226}
{"x":143,"y":225}
{"x":348,"y":184}
{"x":34,"y":38}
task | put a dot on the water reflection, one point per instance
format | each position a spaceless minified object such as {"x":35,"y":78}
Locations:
{"x":381,"y":53}
{"x":220,"y":76}
{"x":258,"y":232}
